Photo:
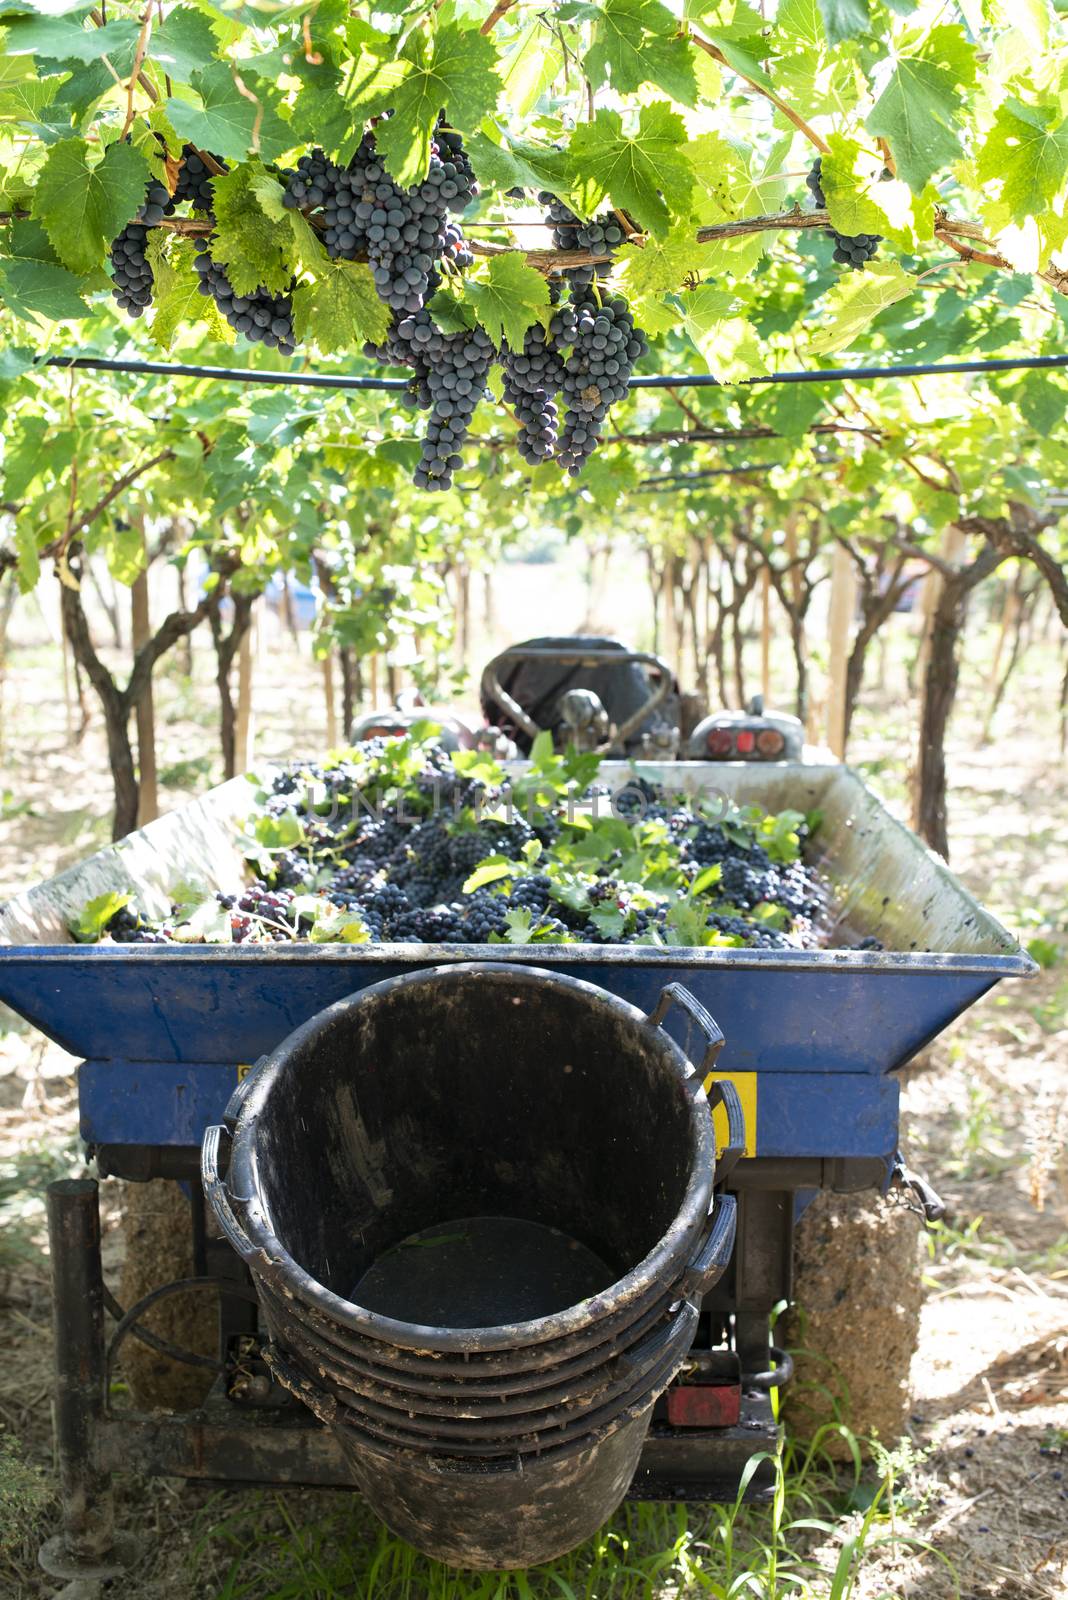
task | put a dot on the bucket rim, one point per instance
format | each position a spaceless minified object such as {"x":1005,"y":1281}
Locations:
{"x":269,"y":1257}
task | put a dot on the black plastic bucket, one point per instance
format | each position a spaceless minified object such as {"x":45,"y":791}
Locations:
{"x":514,"y":1170}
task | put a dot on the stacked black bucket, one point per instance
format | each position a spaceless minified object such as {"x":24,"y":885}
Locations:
{"x":478,"y":1096}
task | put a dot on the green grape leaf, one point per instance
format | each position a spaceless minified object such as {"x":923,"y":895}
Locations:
{"x":95,"y":915}
{"x":646,"y":173}
{"x":255,"y":251}
{"x":30,"y":289}
{"x":662,"y":265}
{"x":518,"y":163}
{"x":227,"y":122}
{"x":84,"y":208}
{"x":179,"y":302}
{"x":636,"y":42}
{"x":793,"y":408}
{"x":184,"y":44}
{"x":124,"y":550}
{"x":25,"y":99}
{"x":450,"y":314}
{"x":453,"y":73}
{"x":849,"y":208}
{"x":67,"y":39}
{"x":1042,"y":402}
{"x":154,"y":150}
{"x":1026,"y":154}
{"x":508,"y":298}
{"x":340,"y":310}
{"x":918,"y":111}
{"x":489,"y":871}
{"x":856,"y":301}
{"x":844,"y":19}
{"x":319,"y":113}
{"x":28,"y":571}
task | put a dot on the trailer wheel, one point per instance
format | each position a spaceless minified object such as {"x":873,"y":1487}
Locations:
{"x":854,"y":1323}
{"x":159,"y":1249}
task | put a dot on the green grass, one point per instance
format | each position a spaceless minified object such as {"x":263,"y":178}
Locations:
{"x":813,"y":1541}
{"x":963,"y":1244}
{"x":23,"y":1180}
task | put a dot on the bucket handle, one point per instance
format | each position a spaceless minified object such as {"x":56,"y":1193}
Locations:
{"x":237,"y":1099}
{"x":720,"y":1091}
{"x":215,"y":1189}
{"x":678,"y":994}
{"x":711,"y":1260}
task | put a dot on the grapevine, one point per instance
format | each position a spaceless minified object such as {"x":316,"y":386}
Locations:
{"x":578,"y":362}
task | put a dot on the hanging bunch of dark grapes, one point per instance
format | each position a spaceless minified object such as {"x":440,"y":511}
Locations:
{"x":850,"y":250}
{"x":450,"y":379}
{"x":404,"y":233}
{"x":533,"y":376}
{"x":601,"y":236}
{"x":597,"y":374}
{"x":130,"y":270}
{"x":195,"y":180}
{"x":263,"y":317}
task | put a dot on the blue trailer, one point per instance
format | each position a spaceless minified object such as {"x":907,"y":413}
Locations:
{"x":814,"y":1040}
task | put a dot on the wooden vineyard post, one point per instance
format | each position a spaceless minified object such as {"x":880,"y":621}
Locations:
{"x":145,"y":711}
{"x":328,"y":691}
{"x":839,"y":625}
{"x":243,"y":725}
{"x":765,"y":636}
{"x":1008,"y":620}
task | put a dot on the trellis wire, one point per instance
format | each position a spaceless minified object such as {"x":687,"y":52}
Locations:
{"x":686,"y":380}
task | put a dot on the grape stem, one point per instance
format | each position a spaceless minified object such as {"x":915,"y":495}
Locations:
{"x":495,"y":15}
{"x":135,"y":70}
{"x":761,"y":89}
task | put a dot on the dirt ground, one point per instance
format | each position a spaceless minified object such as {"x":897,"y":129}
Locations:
{"x":985,"y":1120}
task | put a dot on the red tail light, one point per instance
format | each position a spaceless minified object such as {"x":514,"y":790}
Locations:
{"x":719,"y":742}
{"x":770,"y":742}
{"x":746,"y":742}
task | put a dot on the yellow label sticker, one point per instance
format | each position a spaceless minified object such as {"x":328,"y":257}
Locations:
{"x":746,"y":1085}
{"x":243,"y":1070}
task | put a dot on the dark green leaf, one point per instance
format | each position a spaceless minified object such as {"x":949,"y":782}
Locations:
{"x":646,"y":173}
{"x":184,"y":44}
{"x":456,"y":74}
{"x":83,"y":208}
{"x":844,"y":19}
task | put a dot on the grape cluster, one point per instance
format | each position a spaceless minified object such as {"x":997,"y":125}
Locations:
{"x":261,"y":316}
{"x":533,"y":376}
{"x":399,"y":876}
{"x":404,"y":233}
{"x":195,"y":180}
{"x":450,"y":379}
{"x":850,"y":250}
{"x":130,"y":270}
{"x":601,"y":236}
{"x":597,"y":374}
